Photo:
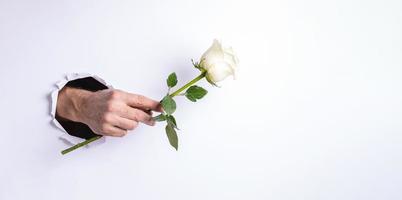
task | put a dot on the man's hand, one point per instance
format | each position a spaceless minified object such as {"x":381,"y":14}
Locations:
{"x":107,"y":112}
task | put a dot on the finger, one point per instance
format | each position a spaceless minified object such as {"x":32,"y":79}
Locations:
{"x":137,"y":115}
{"x":111,"y":130}
{"x":149,"y":112}
{"x":128,"y":112}
{"x":142,"y":102}
{"x":125,"y":123}
{"x":143,"y":117}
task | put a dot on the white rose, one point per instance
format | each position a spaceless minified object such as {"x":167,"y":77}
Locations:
{"x":219,"y":62}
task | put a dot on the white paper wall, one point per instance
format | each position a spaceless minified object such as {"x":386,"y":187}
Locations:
{"x":314,"y":114}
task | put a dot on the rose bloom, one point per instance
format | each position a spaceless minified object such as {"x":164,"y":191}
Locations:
{"x":219,"y":62}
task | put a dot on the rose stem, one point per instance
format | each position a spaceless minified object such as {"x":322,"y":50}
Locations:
{"x":199,"y":77}
{"x":81,"y":144}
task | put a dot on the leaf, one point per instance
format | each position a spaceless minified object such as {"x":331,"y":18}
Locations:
{"x":168,"y":105}
{"x":195,"y":92}
{"x":170,"y":119}
{"x":160,"y":118}
{"x":172,"y":136}
{"x":172,"y":80}
{"x":191,"y":98}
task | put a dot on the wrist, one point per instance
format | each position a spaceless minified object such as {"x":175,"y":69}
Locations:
{"x":71,"y":102}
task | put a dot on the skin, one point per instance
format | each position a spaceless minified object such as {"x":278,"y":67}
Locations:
{"x":107,"y":112}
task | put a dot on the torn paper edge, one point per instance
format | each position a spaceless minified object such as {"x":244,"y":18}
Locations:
{"x":54,"y":95}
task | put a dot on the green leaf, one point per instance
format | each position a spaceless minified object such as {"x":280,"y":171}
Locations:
{"x":160,"y":118}
{"x":171,"y":120}
{"x":195,"y":92}
{"x":191,"y":98}
{"x":172,"y":136}
{"x":172,"y":80}
{"x":168,"y":105}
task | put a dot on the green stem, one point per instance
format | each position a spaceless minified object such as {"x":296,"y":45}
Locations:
{"x":81,"y":144}
{"x":199,"y":77}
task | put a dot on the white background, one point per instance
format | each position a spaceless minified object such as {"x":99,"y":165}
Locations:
{"x":314,"y":114}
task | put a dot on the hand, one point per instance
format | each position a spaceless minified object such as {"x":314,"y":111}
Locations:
{"x":107,"y":112}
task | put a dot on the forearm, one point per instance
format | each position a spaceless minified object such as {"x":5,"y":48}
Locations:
{"x":106,"y":112}
{"x":70,"y":103}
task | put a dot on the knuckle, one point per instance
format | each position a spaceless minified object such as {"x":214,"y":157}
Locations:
{"x":104,"y":128}
{"x":140,"y":99}
{"x":106,"y":118}
{"x":115,"y":94}
{"x":121,"y":134}
{"x":134,"y":125}
{"x":127,"y":113}
{"x":110,"y":106}
{"x":142,"y":118}
{"x":145,"y":117}
{"x":131,"y":126}
{"x":135,"y":116}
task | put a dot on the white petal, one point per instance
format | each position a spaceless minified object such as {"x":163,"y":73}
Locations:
{"x":219,"y":71}
{"x":213,"y":54}
{"x":231,"y":59}
{"x":230,"y":53}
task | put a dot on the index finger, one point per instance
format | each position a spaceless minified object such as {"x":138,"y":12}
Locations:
{"x":142,"y":102}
